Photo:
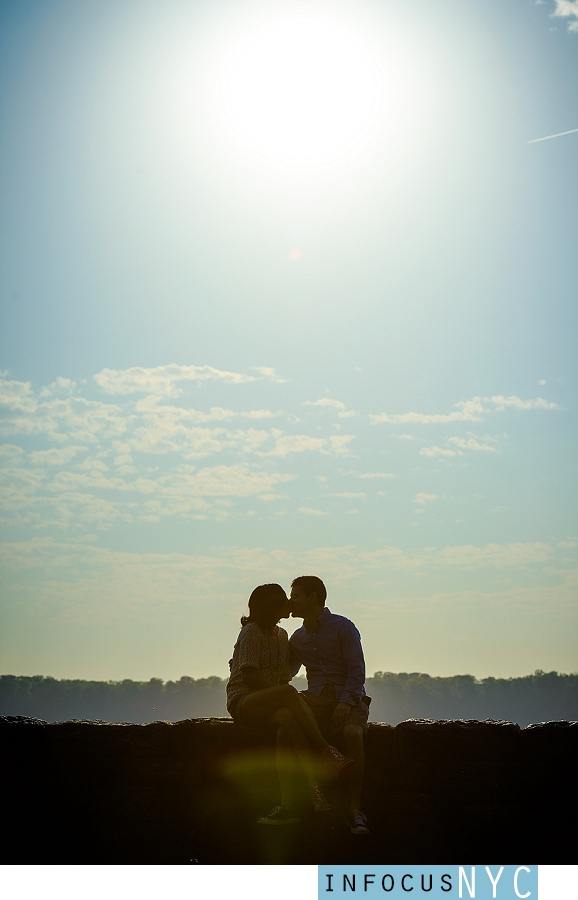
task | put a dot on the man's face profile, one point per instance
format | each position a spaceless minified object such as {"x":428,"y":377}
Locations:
{"x":297,"y":599}
{"x":302,"y":604}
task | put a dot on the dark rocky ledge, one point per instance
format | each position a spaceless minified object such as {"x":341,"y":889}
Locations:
{"x":442,"y":792}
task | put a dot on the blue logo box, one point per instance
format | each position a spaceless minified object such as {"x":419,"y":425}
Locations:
{"x":428,"y":882}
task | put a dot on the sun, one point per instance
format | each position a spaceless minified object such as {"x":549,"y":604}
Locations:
{"x":302,"y":90}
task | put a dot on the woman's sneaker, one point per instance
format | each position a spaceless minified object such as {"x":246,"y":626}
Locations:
{"x":279,"y":815}
{"x":334,"y":760}
{"x":357,"y":822}
{"x":318,"y":799}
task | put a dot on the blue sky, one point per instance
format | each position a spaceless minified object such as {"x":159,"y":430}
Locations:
{"x":234,"y":355}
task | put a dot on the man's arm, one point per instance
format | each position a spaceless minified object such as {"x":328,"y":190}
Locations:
{"x":350,"y":641}
{"x":352,"y":651}
{"x":294,"y":662}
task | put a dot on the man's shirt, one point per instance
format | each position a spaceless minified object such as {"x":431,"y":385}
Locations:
{"x":332,"y":654}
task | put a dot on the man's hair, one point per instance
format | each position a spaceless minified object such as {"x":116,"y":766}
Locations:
{"x":309,"y":584}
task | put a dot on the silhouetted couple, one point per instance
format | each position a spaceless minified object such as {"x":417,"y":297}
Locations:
{"x":335,"y":703}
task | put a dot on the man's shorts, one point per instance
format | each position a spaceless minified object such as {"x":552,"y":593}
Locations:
{"x":323,"y":706}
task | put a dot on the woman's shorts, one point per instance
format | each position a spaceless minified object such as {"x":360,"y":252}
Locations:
{"x":235,"y":708}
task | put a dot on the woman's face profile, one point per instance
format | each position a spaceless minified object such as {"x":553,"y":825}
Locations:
{"x":285,"y":609}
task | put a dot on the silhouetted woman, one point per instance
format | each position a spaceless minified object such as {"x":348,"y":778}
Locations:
{"x":259,"y":692}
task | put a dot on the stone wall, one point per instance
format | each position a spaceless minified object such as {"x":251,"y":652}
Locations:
{"x":445,"y":792}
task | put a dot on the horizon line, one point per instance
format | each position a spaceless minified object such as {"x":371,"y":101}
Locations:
{"x":299,"y":677}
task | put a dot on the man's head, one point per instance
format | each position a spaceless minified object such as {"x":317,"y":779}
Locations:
{"x":308,"y":596}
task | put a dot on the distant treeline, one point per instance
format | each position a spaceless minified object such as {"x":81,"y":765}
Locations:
{"x":543,"y":696}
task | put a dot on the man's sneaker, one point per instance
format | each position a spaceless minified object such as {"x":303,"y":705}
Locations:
{"x":357,"y":822}
{"x":279,"y":815}
{"x":334,"y":760}
{"x":318,"y":799}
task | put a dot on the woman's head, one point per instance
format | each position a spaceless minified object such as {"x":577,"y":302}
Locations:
{"x":267,"y":604}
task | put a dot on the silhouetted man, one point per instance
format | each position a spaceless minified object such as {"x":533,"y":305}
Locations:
{"x":329,"y":646}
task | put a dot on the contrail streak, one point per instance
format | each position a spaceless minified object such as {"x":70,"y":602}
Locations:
{"x":549,"y":136}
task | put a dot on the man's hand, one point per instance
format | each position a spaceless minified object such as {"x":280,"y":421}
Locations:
{"x":340,"y":714}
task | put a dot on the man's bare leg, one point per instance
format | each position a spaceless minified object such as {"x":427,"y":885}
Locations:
{"x":353,"y":736}
{"x":286,"y":767}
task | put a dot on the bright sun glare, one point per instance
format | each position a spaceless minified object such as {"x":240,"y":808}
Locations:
{"x":302,"y":90}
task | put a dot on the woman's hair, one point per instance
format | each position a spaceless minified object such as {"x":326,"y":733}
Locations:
{"x":264,"y":605}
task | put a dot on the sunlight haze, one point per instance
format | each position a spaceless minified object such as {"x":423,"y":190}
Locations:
{"x":288,"y":289}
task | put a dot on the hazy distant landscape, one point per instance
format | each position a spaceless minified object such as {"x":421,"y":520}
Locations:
{"x":542,"y":696}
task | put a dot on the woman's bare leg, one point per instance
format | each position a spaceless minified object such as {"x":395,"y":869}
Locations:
{"x":291,"y":740}
{"x":286,"y":760}
{"x":260,"y":706}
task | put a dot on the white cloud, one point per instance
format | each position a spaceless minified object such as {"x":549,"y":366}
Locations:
{"x":516,"y":403}
{"x":16,"y":395}
{"x":269,"y":373}
{"x":413,"y":418}
{"x":300,"y":443}
{"x":422,"y":499}
{"x":468,"y":411}
{"x":240,"y":480}
{"x":87,"y":420}
{"x":60,"y":385}
{"x":493,"y":555}
{"x":185,"y":492}
{"x":18,"y":486}
{"x":294,"y":443}
{"x":468,"y":443}
{"x":95,"y":479}
{"x":260,"y":414}
{"x":65,"y":485}
{"x":339,"y":442}
{"x":568,"y":9}
{"x":472,"y":408}
{"x":56,"y":456}
{"x":325,"y":401}
{"x":154,"y":405}
{"x":10,"y":454}
{"x":163,"y":436}
{"x":309,"y":511}
{"x":164,"y":379}
{"x":73,"y":418}
{"x":92,"y":583}
{"x":436,"y":451}
{"x":349,"y":495}
{"x":472,"y":443}
{"x":247,"y":441}
{"x":463,"y":556}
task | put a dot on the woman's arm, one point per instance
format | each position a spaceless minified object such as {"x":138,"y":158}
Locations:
{"x":253,"y":680}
